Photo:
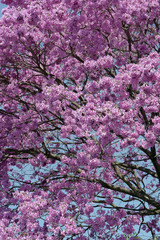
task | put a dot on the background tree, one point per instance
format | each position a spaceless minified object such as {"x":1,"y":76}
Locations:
{"x":80,"y":119}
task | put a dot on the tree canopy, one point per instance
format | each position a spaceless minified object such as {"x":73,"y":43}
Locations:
{"x":79,"y":119}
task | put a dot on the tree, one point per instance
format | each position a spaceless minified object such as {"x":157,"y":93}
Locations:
{"x":80,"y":119}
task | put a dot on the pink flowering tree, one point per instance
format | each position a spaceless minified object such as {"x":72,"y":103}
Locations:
{"x":79,"y":119}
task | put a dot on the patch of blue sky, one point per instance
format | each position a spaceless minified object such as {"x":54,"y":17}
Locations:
{"x":2,"y":6}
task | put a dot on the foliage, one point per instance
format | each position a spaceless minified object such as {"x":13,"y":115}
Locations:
{"x":79,"y":119}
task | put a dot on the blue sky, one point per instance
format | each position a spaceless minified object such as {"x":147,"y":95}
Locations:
{"x":1,"y":7}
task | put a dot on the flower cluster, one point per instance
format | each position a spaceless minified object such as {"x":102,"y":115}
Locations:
{"x":79,"y":119}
